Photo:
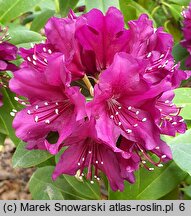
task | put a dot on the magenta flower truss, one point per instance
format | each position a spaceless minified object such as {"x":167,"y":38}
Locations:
{"x":101,"y":91}
{"x":186,"y":42}
{"x":8,"y":53}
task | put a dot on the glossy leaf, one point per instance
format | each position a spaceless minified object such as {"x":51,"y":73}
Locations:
{"x":2,"y":138}
{"x":23,"y":38}
{"x":41,"y":179}
{"x":181,"y":2}
{"x":41,"y":19}
{"x":83,"y":187}
{"x":25,"y":158}
{"x":103,"y":5}
{"x":151,"y":185}
{"x":180,"y":54}
{"x":183,"y":99}
{"x":66,"y":5}
{"x":9,"y":104}
{"x":181,"y":150}
{"x":11,"y":9}
{"x":125,"y":4}
{"x":42,"y":187}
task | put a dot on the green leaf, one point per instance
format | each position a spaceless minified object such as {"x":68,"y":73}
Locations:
{"x":183,"y":99}
{"x":82,"y":187}
{"x":125,"y":4}
{"x":180,"y":54}
{"x":2,"y":138}
{"x":11,"y":9}
{"x":41,"y":19}
{"x":23,"y":38}
{"x":85,"y":188}
{"x":6,"y":119}
{"x":66,"y":5}
{"x":151,"y":185}
{"x":181,"y":2}
{"x":175,"y":10}
{"x":173,"y":29}
{"x":41,"y":179}
{"x":24,"y":158}
{"x":42,"y":187}
{"x":103,"y":5}
{"x":187,"y":190}
{"x":181,"y":150}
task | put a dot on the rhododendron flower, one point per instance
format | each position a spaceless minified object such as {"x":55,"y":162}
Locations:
{"x":128,"y":77}
{"x":120,"y":96}
{"x":8,"y":53}
{"x":187,"y":33}
{"x":49,"y":109}
{"x":87,"y":150}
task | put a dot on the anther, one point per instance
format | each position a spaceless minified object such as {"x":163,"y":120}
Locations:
{"x":47,"y":121}
{"x":96,"y":162}
{"x":144,"y":119}
{"x":160,"y":165}
{"x":163,"y":156}
{"x":92,"y":182}
{"x":89,"y":152}
{"x":56,"y":111}
{"x":29,"y":112}
{"x":46,"y":103}
{"x":149,"y":55}
{"x":119,"y":123}
{"x":12,"y":114}
{"x":36,"y":107}
{"x":137,"y":112}
{"x":29,"y":59}
{"x":135,"y":125}
{"x":119,"y":107}
{"x":34,"y":57}
{"x":34,"y":63}
{"x":129,"y":108}
{"x":49,"y":51}
{"x":36,"y":119}
{"x":111,"y":116}
{"x":16,"y":98}
{"x":128,"y":130}
{"x":144,"y":162}
{"x":157,"y":147}
{"x":116,"y":113}
{"x":151,"y":169}
{"x":182,"y":120}
{"x":78,"y":164}
{"x":102,"y":162}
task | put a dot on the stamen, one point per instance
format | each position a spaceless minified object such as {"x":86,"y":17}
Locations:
{"x":36,"y":119}
{"x":128,"y":130}
{"x":47,"y":121}
{"x":144,"y":119}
